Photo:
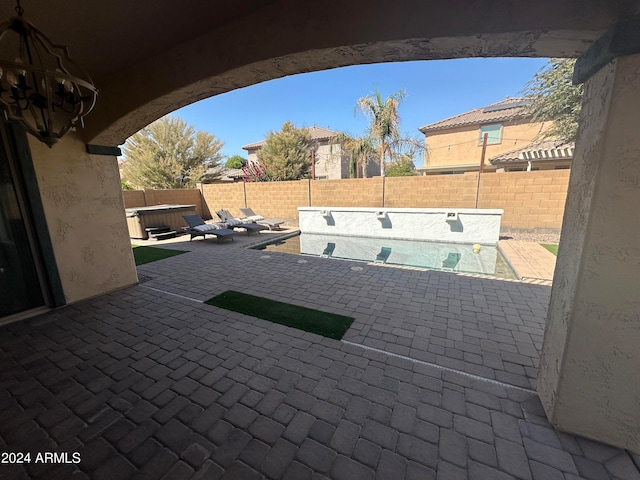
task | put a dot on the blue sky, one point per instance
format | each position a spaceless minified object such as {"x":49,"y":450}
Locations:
{"x":435,"y":90}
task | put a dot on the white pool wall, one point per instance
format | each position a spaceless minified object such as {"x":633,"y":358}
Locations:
{"x":450,"y":225}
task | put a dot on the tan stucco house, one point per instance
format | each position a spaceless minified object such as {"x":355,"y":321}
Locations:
{"x":331,"y":164}
{"x":454,"y":145}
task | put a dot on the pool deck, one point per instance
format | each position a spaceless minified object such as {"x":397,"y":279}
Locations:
{"x":530,"y":261}
{"x":434,"y":380}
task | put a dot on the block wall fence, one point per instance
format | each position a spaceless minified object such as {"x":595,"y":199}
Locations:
{"x":532,"y":201}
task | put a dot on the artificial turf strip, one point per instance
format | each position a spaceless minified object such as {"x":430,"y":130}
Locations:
{"x":326,"y":324}
{"x":553,"y":248}
{"x":144,"y":255}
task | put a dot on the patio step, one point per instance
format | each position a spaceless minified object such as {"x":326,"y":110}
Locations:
{"x":158,"y":229}
{"x":162,"y":235}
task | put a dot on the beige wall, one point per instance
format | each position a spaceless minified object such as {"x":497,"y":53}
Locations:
{"x":361,"y":192}
{"x":278,"y":199}
{"x":217,"y":196}
{"x":531,"y":200}
{"x":590,"y":362}
{"x":461,"y":146}
{"x":455,"y":191}
{"x":83,"y":205}
{"x":330,"y":163}
{"x":134,"y":198}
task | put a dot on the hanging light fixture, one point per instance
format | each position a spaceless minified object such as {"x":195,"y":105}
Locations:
{"x":40,"y":86}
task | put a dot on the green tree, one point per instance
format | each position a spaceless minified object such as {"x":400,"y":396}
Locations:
{"x":403,"y":167}
{"x":286,"y":155}
{"x":236,"y":161}
{"x":384,"y":123}
{"x":554,"y":98}
{"x":169,"y":153}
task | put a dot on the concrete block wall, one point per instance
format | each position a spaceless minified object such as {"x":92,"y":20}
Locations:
{"x":277,"y":199}
{"x":133,"y":198}
{"x":355,"y":192}
{"x":228,"y":196}
{"x":448,"y":191}
{"x":530,"y":200}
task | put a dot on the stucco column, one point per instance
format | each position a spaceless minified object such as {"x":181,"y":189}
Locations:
{"x":589,"y":380}
{"x":82,"y":202}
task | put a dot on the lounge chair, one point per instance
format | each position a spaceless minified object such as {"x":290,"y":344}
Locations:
{"x":271,"y":223}
{"x":232,"y":222}
{"x":198,"y":228}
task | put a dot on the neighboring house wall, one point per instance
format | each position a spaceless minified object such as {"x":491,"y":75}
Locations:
{"x":330,"y":163}
{"x":462,"y":145}
{"x":252,"y":155}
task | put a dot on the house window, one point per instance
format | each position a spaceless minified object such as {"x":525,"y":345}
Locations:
{"x":494,"y":134}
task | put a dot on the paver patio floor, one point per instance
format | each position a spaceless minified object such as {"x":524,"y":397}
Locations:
{"x":150,"y":383}
{"x":482,"y":326}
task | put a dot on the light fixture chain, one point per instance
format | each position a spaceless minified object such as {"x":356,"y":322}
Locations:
{"x":19,"y":9}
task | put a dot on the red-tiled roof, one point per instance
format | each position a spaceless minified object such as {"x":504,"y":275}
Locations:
{"x":317,"y":133}
{"x":508,"y":109}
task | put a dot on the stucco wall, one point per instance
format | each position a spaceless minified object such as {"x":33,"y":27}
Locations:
{"x":460,"y":145}
{"x":329,"y":162}
{"x":590,"y":360}
{"x":82,"y":201}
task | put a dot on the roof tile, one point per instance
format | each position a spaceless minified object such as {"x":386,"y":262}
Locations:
{"x":508,"y":109}
{"x":317,"y":133}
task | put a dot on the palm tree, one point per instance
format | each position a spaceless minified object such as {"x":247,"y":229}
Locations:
{"x":359,"y":149}
{"x":384,"y":122}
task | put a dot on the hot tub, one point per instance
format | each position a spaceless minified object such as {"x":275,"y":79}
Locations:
{"x":141,"y":218}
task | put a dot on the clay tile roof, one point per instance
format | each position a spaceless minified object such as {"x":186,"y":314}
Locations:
{"x":547,"y":150}
{"x":225,"y":173}
{"x":508,"y":109}
{"x":317,"y":133}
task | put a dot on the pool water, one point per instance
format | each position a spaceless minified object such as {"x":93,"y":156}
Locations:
{"x":449,"y":257}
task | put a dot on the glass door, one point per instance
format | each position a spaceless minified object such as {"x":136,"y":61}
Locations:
{"x":20,"y":281}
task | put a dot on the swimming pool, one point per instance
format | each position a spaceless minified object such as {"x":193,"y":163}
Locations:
{"x":449,"y":257}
